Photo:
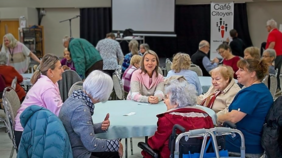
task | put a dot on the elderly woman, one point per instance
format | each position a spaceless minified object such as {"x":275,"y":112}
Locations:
{"x":85,"y":56}
{"x":9,"y":73}
{"x":17,"y":53}
{"x":146,"y":83}
{"x":133,"y":47}
{"x":252,"y":53}
{"x":180,"y":100}
{"x":222,"y":92}
{"x":126,"y":77}
{"x":249,"y":108}
{"x":180,"y":66}
{"x":228,"y":58}
{"x":269,"y":56}
{"x":66,"y":62}
{"x":44,"y":92}
{"x":76,"y":115}
{"x":144,"y":47}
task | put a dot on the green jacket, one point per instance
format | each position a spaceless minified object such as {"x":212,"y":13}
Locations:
{"x":83,"y":54}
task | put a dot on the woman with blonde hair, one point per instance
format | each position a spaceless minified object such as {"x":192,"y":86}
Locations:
{"x":44,"y":92}
{"x":17,"y":53}
{"x":222,"y":92}
{"x":180,"y":66}
{"x":147,"y":84}
{"x":252,"y":53}
{"x":133,"y":47}
{"x":126,"y":77}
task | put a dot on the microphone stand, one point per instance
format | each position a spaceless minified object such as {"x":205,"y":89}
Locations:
{"x":70,"y":22}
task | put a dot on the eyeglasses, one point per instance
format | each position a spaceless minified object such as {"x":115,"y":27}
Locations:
{"x":265,"y":56}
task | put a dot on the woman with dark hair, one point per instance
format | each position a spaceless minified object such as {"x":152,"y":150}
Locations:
{"x":44,"y":92}
{"x":228,"y":58}
{"x":147,"y":84}
{"x":249,"y":107}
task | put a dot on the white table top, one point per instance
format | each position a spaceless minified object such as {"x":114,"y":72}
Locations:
{"x":142,"y":123}
{"x":26,"y":79}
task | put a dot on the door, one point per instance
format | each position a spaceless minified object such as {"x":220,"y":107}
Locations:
{"x":12,"y":27}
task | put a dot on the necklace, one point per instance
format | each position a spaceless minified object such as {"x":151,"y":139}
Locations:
{"x":12,"y":54}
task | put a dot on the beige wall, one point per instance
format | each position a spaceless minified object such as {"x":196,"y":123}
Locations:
{"x":258,"y":14}
{"x":54,"y":31}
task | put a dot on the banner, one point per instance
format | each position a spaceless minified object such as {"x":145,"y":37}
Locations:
{"x":222,"y":17}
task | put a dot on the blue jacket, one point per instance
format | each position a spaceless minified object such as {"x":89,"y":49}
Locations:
{"x":44,"y":135}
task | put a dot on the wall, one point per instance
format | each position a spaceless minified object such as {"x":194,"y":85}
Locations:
{"x":54,"y":31}
{"x":12,"y":13}
{"x":258,"y":14}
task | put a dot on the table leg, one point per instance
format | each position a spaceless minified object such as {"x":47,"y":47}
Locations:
{"x":126,"y":148}
{"x":146,"y":139}
{"x":131,"y":146}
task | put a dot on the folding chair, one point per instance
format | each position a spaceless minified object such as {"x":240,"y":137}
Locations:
{"x":69,"y":77}
{"x":11,"y":104}
{"x":197,"y":69}
{"x":76,"y":86}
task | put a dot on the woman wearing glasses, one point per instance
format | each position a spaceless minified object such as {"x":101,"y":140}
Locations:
{"x":269,"y":56}
{"x":18,"y":54}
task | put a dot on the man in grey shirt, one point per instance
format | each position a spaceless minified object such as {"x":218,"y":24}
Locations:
{"x":111,"y":53}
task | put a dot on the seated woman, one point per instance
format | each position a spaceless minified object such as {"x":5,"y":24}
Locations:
{"x":67,"y":63}
{"x":76,"y":115}
{"x":9,"y":73}
{"x":133,"y":47}
{"x":252,"y":53}
{"x":44,"y":92}
{"x":269,"y":56}
{"x":143,"y":48}
{"x":126,"y":77}
{"x":228,"y":58}
{"x":180,"y":66}
{"x":147,"y":84}
{"x":249,"y":107}
{"x":180,"y":98}
{"x":222,"y":92}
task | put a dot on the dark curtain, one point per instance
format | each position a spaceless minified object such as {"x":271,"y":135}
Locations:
{"x":95,"y":23}
{"x":241,"y":23}
{"x":192,"y":24}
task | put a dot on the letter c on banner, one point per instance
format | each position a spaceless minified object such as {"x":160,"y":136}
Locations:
{"x":216,"y":6}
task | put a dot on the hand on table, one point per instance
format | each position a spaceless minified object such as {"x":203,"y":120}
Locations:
{"x":106,"y":122}
{"x":153,"y":99}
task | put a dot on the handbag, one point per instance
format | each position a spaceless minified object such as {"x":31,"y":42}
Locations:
{"x":223,"y":153}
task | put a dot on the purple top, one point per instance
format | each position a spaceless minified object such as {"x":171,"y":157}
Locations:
{"x":70,"y":63}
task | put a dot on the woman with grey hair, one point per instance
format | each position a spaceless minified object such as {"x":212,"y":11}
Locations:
{"x":144,"y":47}
{"x":17,"y":53}
{"x":269,"y":56}
{"x":9,"y":73}
{"x":76,"y":115}
{"x":180,"y":100}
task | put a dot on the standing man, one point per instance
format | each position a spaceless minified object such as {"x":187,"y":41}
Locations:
{"x":111,"y":53}
{"x":237,"y":45}
{"x":274,"y":41}
{"x":84,"y":55}
{"x":201,"y":58}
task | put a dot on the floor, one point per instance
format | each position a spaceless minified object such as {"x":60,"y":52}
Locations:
{"x":6,"y":146}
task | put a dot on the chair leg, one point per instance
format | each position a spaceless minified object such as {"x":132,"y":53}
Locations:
{"x":12,"y":152}
{"x":126,"y":156}
{"x":131,"y":146}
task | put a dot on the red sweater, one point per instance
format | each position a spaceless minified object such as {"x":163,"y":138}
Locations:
{"x":160,"y":140}
{"x":232,"y":63}
{"x":9,"y":74}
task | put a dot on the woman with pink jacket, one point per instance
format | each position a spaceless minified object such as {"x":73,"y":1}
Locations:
{"x":146,"y":83}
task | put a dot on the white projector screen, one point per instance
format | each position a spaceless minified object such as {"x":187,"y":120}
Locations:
{"x":143,"y":15}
